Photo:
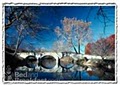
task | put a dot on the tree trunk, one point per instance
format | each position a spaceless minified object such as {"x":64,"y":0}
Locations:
{"x":78,"y":47}
{"x":75,"y":50}
{"x":18,"y":42}
{"x":74,"y":47}
{"x":79,"y":41}
{"x":17,"y":46}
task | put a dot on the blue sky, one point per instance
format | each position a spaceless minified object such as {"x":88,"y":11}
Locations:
{"x":50,"y":16}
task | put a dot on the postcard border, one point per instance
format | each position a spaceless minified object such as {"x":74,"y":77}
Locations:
{"x":59,"y":82}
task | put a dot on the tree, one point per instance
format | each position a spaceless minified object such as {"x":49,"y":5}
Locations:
{"x":60,"y":46}
{"x":20,"y":21}
{"x":23,"y":20}
{"x":74,"y":33}
{"x":102,"y":47}
{"x":104,"y":16}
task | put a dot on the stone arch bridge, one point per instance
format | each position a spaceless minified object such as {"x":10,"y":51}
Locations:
{"x":57,"y":57}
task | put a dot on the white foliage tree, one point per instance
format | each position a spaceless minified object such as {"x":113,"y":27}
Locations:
{"x":73,"y":33}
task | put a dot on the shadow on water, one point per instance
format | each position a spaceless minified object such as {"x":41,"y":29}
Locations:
{"x":71,"y":70}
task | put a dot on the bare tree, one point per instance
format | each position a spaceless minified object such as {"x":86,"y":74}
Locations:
{"x":74,"y":32}
{"x":22,"y":19}
{"x":104,"y":16}
{"x":14,"y":14}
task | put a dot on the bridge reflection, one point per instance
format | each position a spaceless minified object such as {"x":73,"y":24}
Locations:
{"x":51,"y":61}
{"x":69,"y":66}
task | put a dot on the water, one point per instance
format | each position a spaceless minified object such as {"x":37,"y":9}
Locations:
{"x":95,"y":74}
{"x":70,"y":71}
{"x":77,"y":75}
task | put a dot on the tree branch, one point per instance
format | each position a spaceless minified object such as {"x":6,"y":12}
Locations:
{"x":14,"y":19}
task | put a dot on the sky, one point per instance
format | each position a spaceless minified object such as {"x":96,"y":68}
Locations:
{"x":51,"y":16}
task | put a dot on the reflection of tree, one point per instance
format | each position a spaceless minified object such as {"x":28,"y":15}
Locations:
{"x":64,"y":76}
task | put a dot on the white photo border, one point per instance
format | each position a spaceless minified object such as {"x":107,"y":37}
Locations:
{"x":58,"y":4}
